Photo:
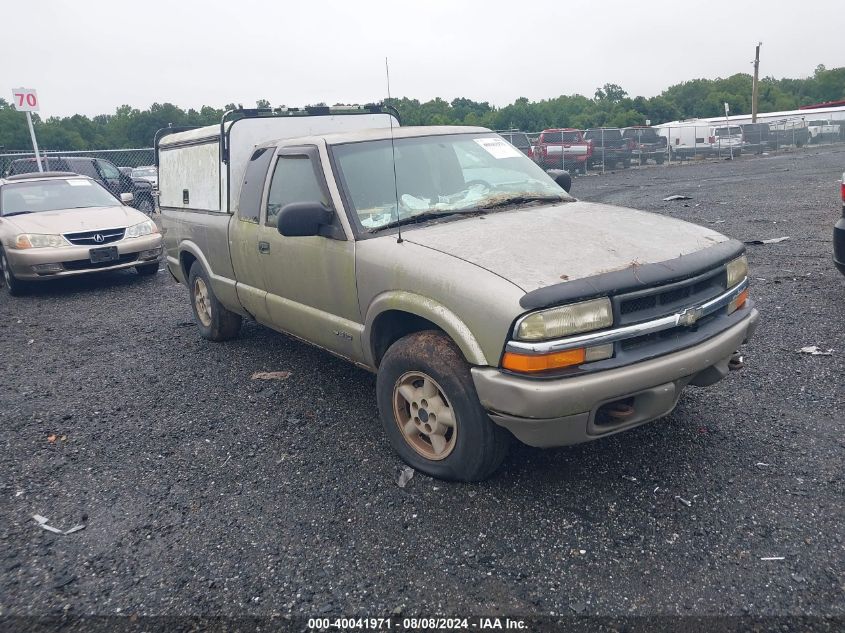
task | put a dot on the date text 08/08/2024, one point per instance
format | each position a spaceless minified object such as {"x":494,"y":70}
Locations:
{"x":423,"y":623}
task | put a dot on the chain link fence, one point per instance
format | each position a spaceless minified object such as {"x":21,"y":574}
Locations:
{"x":12,"y":162}
{"x":118,"y":170}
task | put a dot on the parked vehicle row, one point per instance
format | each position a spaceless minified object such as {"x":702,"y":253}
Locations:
{"x":577,"y":150}
{"x":103,"y":171}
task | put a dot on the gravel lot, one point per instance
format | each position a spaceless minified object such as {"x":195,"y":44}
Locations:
{"x":206,"y":493}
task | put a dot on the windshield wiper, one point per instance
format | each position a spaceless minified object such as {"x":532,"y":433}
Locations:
{"x":413,"y":219}
{"x":522,"y":199}
{"x":6,"y":215}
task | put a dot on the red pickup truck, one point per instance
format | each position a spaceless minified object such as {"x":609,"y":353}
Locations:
{"x":563,"y":148}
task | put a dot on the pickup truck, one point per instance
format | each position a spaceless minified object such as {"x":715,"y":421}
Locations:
{"x":488,"y":301}
{"x":609,"y":147}
{"x":563,"y":148}
{"x":646,"y":144}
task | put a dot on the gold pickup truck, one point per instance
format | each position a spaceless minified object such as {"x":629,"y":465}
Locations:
{"x":490,"y":303}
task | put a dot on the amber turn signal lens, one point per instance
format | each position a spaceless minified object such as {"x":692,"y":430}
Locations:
{"x":738,"y":302}
{"x":528,"y":363}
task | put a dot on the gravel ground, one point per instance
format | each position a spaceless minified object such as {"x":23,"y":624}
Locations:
{"x":206,"y":493}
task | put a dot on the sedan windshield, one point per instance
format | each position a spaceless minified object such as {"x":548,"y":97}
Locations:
{"x":53,"y":195}
{"x":437,"y":176}
{"x":144,"y":172}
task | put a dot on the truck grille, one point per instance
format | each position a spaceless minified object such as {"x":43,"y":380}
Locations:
{"x":653,"y":303}
{"x":90,"y":238}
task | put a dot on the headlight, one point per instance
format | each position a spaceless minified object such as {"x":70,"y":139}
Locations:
{"x":565,"y":320}
{"x":737,"y":270}
{"x":147,"y":227}
{"x":39,"y":240}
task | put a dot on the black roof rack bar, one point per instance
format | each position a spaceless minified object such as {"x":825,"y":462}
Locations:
{"x":251,"y":113}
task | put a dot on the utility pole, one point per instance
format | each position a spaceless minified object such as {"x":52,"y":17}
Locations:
{"x":754,"y":88}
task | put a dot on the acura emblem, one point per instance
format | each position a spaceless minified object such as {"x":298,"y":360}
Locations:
{"x":690,"y":316}
{"x":99,"y":238}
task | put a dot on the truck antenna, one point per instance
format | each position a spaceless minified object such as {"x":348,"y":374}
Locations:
{"x":393,"y":153}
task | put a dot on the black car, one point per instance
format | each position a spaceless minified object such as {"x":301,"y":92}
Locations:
{"x":839,"y":234}
{"x":756,"y":137}
{"x":609,"y":148}
{"x":647,"y":143}
{"x":101,"y":170}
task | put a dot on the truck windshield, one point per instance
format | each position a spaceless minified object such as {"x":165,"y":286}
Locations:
{"x":437,"y":175}
{"x":53,"y":195}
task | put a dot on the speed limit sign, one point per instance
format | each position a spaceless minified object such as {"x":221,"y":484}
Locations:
{"x":25,"y":100}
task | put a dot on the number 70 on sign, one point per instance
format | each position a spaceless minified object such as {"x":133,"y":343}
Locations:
{"x":25,"y":100}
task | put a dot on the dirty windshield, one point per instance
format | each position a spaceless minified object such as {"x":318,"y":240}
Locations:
{"x":53,"y":195}
{"x":438,"y":176}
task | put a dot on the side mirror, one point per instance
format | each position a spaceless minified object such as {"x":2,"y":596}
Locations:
{"x":562,"y":178}
{"x":126,"y":198}
{"x":303,"y":219}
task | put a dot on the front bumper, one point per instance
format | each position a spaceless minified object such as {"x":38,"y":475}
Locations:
{"x":564,"y":411}
{"x":839,"y":245}
{"x":35,"y":264}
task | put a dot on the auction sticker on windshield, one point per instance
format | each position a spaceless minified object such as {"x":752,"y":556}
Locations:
{"x":498,"y":148}
{"x":79,"y":183}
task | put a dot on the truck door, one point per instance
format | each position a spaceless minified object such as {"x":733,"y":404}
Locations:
{"x":310,"y":281}
{"x":244,"y":236}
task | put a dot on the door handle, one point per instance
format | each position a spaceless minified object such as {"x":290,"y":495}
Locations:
{"x":263,"y":247}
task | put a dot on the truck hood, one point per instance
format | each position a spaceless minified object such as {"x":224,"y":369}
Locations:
{"x":534,"y":247}
{"x":74,"y":220}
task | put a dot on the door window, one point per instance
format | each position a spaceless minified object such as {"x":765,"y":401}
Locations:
{"x":294,"y":180}
{"x":108,"y":170}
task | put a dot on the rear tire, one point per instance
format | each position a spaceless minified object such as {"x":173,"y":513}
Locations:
{"x":13,"y":285}
{"x":431,"y":413}
{"x":214,"y":321}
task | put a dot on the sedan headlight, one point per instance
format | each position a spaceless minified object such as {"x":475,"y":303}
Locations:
{"x":737,"y":270}
{"x":565,"y":320}
{"x":39,"y":240}
{"x":148,"y":227}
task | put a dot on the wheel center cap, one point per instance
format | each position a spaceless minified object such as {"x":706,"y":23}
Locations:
{"x":423,"y":414}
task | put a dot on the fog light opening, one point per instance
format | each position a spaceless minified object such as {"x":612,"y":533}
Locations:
{"x":615,"y":412}
{"x":47,"y":269}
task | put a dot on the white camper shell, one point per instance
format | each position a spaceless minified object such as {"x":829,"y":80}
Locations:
{"x":201,"y":169}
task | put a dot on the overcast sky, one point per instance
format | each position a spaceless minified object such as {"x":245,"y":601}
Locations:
{"x":90,"y":56}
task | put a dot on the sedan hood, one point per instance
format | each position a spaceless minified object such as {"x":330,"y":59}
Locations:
{"x":74,"y":220}
{"x":534,"y":247}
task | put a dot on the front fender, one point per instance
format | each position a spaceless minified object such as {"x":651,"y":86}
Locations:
{"x":440,"y":315}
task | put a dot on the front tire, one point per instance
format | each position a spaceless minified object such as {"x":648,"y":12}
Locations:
{"x":214,"y":321}
{"x":13,"y":285}
{"x":431,"y":413}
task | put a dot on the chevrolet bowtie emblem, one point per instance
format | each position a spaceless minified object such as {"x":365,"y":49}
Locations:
{"x":690,"y":316}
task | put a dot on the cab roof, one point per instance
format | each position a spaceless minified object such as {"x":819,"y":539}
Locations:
{"x":381,"y":134}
